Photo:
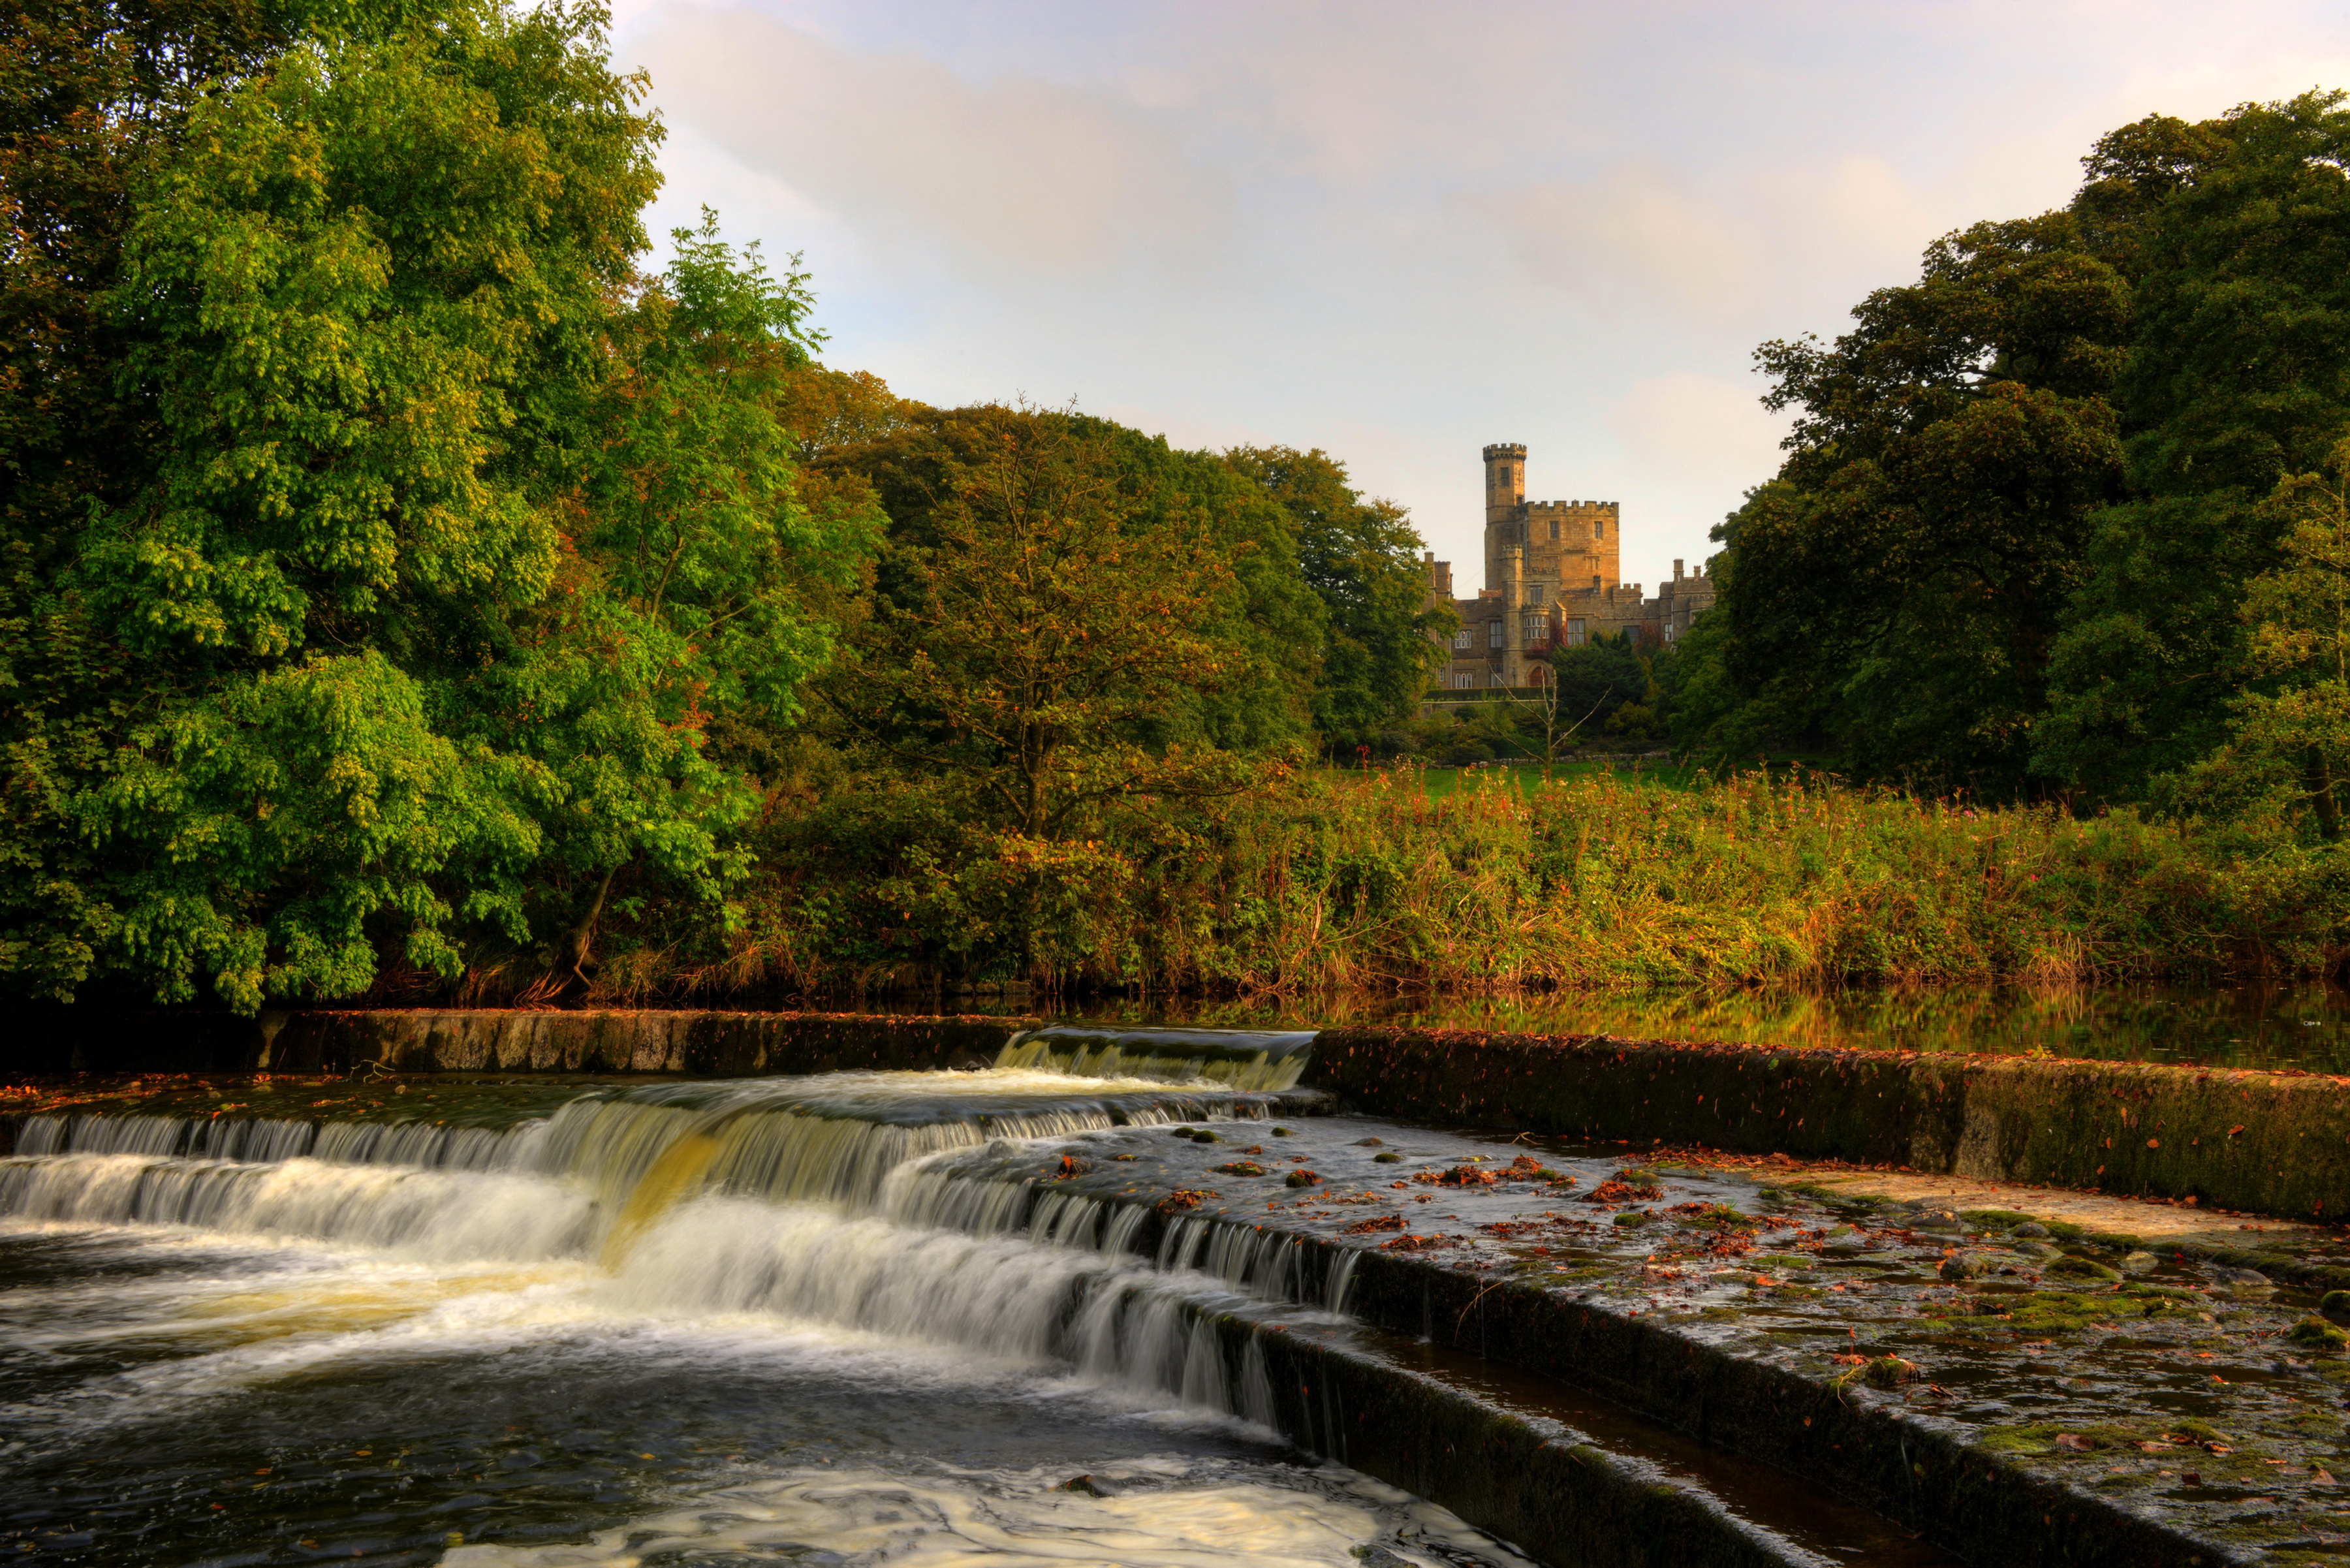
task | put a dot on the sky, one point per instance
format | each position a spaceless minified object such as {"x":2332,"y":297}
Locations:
{"x":1400,"y":231}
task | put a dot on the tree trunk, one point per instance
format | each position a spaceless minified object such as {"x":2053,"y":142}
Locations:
{"x":2320,"y":784}
{"x":580,"y":944}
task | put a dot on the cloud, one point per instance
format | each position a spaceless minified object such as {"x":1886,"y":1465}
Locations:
{"x":1635,"y":234}
{"x":1028,"y":175}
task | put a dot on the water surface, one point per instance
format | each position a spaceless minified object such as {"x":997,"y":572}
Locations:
{"x":853,"y":1318}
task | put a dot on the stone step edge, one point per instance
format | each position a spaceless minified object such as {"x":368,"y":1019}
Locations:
{"x":2268,"y":1143}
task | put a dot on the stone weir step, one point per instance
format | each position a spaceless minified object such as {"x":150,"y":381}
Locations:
{"x":2259,"y":1142}
{"x":2014,"y":1392}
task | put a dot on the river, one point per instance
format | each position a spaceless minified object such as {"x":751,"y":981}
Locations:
{"x":713,"y":1323}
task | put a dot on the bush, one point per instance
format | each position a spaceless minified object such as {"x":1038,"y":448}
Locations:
{"x":1342,"y":879}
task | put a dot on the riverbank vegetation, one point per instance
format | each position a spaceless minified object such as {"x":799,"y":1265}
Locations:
{"x":416,"y":584}
{"x":1336,"y":881}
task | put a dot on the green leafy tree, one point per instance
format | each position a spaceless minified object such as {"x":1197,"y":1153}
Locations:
{"x":2237,"y":235}
{"x":1362,"y":557}
{"x":1265,"y":608}
{"x":93,"y":98}
{"x":1038,"y":631}
{"x":2288,"y":751}
{"x":1894,"y":593}
{"x":454,"y":532}
{"x":1025,"y":645}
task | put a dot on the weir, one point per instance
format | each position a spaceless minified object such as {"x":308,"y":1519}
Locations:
{"x":1185,"y":1216}
{"x":902,"y":1205}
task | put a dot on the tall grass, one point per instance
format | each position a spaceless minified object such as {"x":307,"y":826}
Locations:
{"x":1341,"y":882}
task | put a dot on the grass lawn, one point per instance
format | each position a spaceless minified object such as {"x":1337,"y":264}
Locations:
{"x":1446,"y":781}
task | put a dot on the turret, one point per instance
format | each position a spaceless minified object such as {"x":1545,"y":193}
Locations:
{"x":1505,"y":491}
{"x":1506,"y":481}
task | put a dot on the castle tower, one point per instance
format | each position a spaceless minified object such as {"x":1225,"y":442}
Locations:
{"x":1505,"y":498}
{"x":1506,"y":481}
{"x":1550,"y":575}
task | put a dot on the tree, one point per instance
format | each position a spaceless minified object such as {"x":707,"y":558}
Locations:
{"x":1034,"y":628}
{"x":1894,"y":593}
{"x":2239,"y":375}
{"x":93,"y":97}
{"x":452,"y":531}
{"x":1363,"y":559}
{"x":1034,"y":637}
{"x":2289,"y":741}
{"x":1264,"y":607}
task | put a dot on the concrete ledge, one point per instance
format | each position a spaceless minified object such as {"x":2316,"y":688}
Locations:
{"x":2274,"y":1142}
{"x":1923,"y":1473}
{"x":2264,"y":1142}
{"x":1536,"y":1483}
{"x":720,"y":1044}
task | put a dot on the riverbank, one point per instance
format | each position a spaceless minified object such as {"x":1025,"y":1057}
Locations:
{"x":1372,"y":882}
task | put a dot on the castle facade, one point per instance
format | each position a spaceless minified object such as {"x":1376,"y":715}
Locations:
{"x":1551,"y":581}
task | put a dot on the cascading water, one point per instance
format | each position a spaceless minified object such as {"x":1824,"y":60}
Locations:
{"x":857,"y":1238}
{"x":1239,"y":1060}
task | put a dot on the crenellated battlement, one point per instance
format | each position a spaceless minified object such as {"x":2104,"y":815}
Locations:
{"x":1551,"y":581}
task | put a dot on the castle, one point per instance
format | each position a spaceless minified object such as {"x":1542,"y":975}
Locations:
{"x":1550,"y":582}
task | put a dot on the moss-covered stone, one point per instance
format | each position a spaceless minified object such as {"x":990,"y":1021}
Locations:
{"x":2317,"y":1333}
{"x":2262,"y":1142}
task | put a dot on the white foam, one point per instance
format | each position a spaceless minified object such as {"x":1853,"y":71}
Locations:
{"x":1162,"y":1512}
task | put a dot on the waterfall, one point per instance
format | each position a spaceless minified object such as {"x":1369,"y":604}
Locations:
{"x":481,"y":1215}
{"x":1275,"y":1266}
{"x":849,"y":1200}
{"x":1236,"y":1059}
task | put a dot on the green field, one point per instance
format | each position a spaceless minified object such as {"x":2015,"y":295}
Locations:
{"x":1442,"y":782}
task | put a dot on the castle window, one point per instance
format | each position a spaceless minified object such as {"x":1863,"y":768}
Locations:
{"x":1575,"y":637}
{"x":1598,"y":529}
{"x":1463,"y":679}
{"x":1492,"y":634}
{"x":1461,"y":638}
{"x":1538,"y":628}
{"x":1554,"y":527}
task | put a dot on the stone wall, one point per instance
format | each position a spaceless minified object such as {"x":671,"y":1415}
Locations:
{"x":2264,"y":1142}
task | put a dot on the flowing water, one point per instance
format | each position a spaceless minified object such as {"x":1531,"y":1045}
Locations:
{"x":708,"y":1322}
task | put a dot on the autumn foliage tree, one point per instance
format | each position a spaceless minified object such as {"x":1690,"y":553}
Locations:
{"x":1040,"y":631}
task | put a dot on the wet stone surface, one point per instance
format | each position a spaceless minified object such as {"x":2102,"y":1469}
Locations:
{"x":2203,"y":1394}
